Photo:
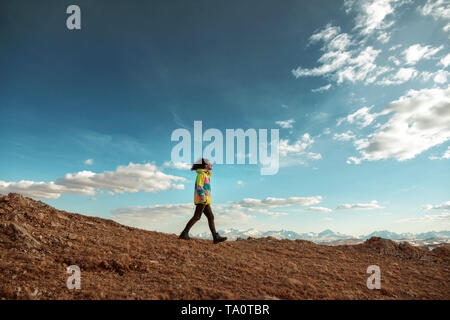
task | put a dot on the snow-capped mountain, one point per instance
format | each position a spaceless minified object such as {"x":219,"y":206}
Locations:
{"x":329,"y":237}
{"x":408,"y":236}
{"x":233,"y":234}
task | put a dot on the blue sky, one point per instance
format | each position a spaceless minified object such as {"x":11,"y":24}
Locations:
{"x":358,"y":89}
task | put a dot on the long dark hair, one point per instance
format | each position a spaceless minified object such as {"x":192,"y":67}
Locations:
{"x":200,"y":164}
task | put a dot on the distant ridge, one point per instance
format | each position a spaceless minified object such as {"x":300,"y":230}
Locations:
{"x":329,"y":236}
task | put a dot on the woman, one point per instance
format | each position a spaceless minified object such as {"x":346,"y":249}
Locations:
{"x":202,"y":200}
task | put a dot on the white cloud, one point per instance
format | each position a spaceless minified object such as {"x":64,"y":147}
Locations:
{"x":419,"y":120}
{"x":155,"y":216}
{"x":286,"y":124}
{"x":402,"y":75}
{"x":429,"y":218}
{"x":353,"y":160}
{"x":395,"y":60}
{"x":267,"y":212}
{"x":326,"y":34}
{"x":319,"y":209}
{"x":345,"y":136}
{"x":298,"y":146}
{"x":362,"y":117}
{"x":177,"y":165}
{"x":292,"y":154}
{"x":445,"y":61}
{"x":441,"y":76}
{"x":360,"y":206}
{"x":442,"y":206}
{"x":397,"y":46}
{"x":339,"y":61}
{"x":372,"y":15}
{"x":426,"y":75}
{"x":132,"y":178}
{"x":240,"y":183}
{"x":446,"y":155}
{"x":331,"y":62}
{"x":361,"y":143}
{"x":361,"y":68}
{"x":226,"y":214}
{"x":279,"y":202}
{"x":384,"y":37}
{"x":347,"y":57}
{"x":446,"y":28}
{"x":47,"y":190}
{"x":438,"y":9}
{"x":322,"y":89}
{"x":313,"y":156}
{"x":341,"y":42}
{"x":416,"y":52}
{"x":89,"y":162}
{"x":155,"y":212}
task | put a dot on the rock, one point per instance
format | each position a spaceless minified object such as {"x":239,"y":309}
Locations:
{"x":20,"y":234}
{"x":383,"y":246}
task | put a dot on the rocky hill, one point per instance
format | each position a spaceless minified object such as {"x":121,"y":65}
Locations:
{"x":38,"y":243}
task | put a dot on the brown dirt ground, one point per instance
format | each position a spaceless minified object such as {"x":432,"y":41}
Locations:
{"x":38,"y":242}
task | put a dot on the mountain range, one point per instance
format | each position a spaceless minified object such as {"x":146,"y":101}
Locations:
{"x":329,"y":236}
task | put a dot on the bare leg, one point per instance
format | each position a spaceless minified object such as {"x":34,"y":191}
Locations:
{"x":197,"y":215}
{"x":209,"y":214}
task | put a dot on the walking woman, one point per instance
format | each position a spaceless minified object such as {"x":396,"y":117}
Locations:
{"x":202,"y":200}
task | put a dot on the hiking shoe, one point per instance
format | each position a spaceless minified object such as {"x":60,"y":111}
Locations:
{"x":184,"y":235}
{"x":218,"y":238}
